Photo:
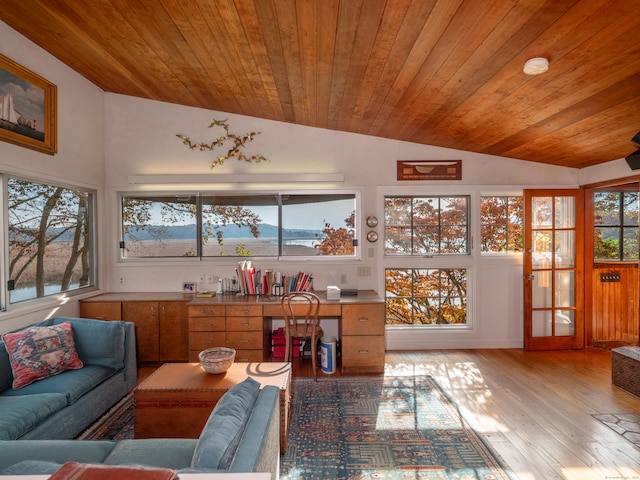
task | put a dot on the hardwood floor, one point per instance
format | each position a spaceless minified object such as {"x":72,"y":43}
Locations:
{"x":534,"y":408}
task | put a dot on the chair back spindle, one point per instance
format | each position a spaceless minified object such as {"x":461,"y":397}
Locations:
{"x":300,"y":311}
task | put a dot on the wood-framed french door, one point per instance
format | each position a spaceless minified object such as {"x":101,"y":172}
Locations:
{"x":553,"y":269}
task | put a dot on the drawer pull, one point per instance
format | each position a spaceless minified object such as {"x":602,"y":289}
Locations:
{"x":207,"y":324}
{"x":363,"y":351}
{"x":244,"y":341}
{"x":206,"y":310}
{"x":364,"y":319}
{"x":244,"y":324}
{"x":207,"y":341}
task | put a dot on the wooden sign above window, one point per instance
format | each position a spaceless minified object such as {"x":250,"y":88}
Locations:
{"x":429,"y":169}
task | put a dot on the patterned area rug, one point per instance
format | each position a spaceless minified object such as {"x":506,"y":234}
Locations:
{"x":360,"y":428}
{"x":382,"y":428}
{"x":116,"y":424}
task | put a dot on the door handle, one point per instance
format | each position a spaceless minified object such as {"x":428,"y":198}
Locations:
{"x":530,"y":276}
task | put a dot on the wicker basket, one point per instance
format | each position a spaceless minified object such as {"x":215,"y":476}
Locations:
{"x":217,"y":359}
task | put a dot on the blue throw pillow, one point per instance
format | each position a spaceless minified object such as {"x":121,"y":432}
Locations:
{"x":222,"y":433}
{"x":98,"y":342}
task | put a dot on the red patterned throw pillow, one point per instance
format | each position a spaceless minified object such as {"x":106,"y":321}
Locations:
{"x":40,"y":352}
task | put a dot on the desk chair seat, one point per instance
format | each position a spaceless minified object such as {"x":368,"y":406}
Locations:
{"x":300,"y":310}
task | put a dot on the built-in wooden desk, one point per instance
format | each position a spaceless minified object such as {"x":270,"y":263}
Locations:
{"x":245,"y":324}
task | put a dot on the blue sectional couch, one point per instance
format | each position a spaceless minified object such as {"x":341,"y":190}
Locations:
{"x":241,"y":435}
{"x":64,"y":405}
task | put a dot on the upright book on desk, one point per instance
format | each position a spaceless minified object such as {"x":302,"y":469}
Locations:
{"x":96,"y":471}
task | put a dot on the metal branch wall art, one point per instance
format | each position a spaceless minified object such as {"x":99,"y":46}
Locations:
{"x":238,"y":143}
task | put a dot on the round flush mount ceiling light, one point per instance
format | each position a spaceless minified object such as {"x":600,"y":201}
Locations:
{"x":536,"y":66}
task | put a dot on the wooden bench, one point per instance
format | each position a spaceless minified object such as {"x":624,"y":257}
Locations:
{"x":625,"y":369}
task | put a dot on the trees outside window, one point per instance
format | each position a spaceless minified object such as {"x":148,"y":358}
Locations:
{"x":501,"y":224}
{"x":426,"y":225}
{"x":50,"y":239}
{"x":423,"y":227}
{"x":429,"y":296}
{"x":616,"y":226}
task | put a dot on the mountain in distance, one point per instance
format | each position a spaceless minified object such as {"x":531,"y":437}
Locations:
{"x":229,"y":231}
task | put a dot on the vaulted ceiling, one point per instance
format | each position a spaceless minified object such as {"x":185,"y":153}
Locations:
{"x":437,"y":72}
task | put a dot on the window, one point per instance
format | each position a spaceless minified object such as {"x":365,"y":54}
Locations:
{"x":50,"y":239}
{"x":501,"y":224}
{"x":616,"y":226}
{"x":417,"y":228}
{"x":426,"y":225}
{"x":160,"y":226}
{"x":430,"y":296}
{"x":264,"y":225}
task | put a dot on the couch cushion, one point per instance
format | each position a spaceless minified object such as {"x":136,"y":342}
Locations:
{"x":98,"y":342}
{"x":72,"y":383}
{"x":173,"y":453}
{"x":223,"y":430}
{"x":28,"y":452}
{"x":20,"y":414}
{"x":31,"y":467}
{"x":40,"y":352}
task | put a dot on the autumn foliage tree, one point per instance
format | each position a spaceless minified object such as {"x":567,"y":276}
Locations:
{"x":424,"y":226}
{"x":338,"y":241}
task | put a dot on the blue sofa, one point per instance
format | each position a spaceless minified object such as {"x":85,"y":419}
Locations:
{"x":64,"y":405}
{"x":241,"y":435}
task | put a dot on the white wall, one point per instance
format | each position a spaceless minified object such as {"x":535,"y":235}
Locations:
{"x":607,"y":171}
{"x":141,"y":140}
{"x":80,"y":157}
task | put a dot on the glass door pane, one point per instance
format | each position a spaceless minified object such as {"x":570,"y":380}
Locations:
{"x":551,"y":269}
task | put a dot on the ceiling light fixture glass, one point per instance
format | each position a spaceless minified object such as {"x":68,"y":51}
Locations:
{"x":536,"y":66}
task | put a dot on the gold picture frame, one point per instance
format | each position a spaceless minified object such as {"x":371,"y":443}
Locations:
{"x":28,"y":108}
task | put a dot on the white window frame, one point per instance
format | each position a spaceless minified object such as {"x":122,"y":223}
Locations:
{"x":226,"y":259}
{"x":36,"y":302}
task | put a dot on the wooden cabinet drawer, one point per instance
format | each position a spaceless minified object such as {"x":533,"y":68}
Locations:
{"x":366,"y":319}
{"x":244,"y":340}
{"x":244,"y":310}
{"x":363,"y":351}
{"x":206,"y":310}
{"x":241,"y":324}
{"x":202,"y":340}
{"x":206,"y":324}
{"x":248,"y":356}
{"x":101,"y":310}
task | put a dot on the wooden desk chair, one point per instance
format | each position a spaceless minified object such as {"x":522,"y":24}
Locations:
{"x":300,"y":310}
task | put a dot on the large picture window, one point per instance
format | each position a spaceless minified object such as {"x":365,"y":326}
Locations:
{"x":254,"y":225}
{"x":50,"y":239}
{"x":419,"y":228}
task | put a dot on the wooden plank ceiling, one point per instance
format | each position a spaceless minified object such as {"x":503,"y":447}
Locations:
{"x":437,"y":72}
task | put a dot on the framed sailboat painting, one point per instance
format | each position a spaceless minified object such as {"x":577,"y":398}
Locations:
{"x":28,"y":108}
